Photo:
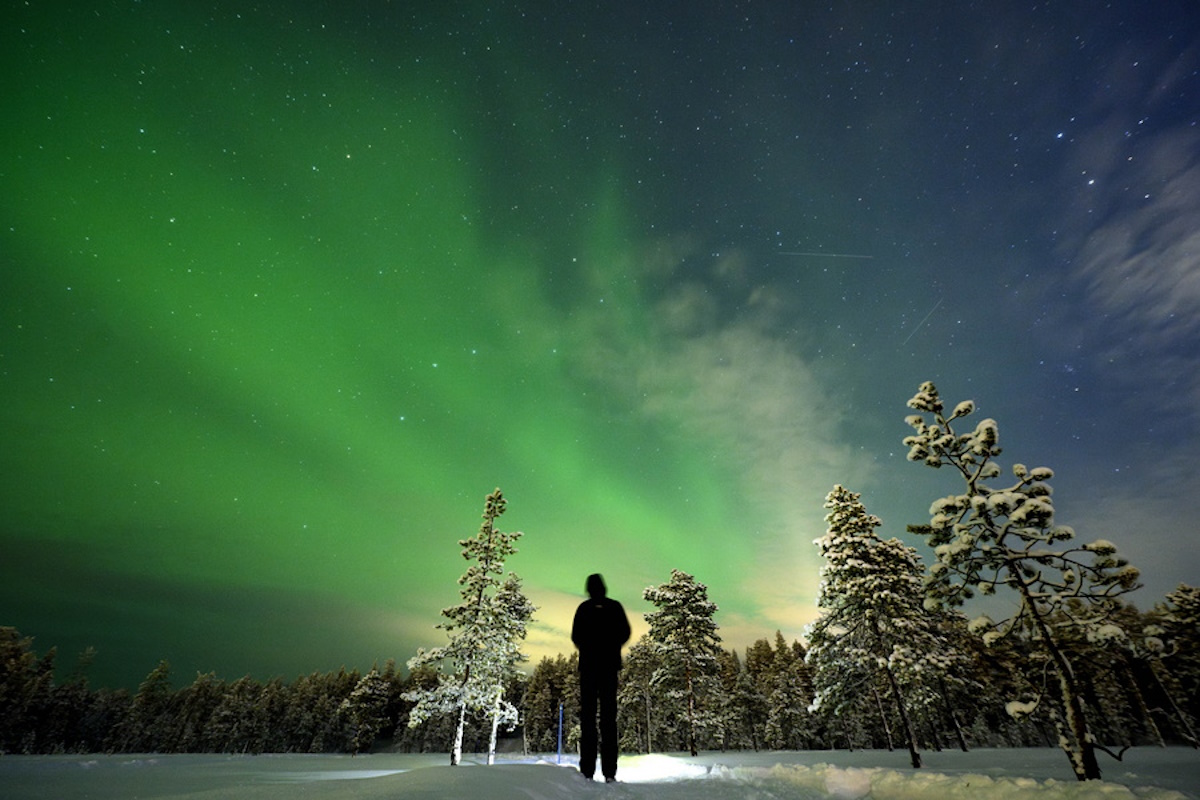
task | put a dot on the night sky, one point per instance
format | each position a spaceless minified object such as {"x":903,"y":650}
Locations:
{"x":286,"y":289}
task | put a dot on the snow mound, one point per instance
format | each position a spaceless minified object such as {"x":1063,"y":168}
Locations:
{"x":887,"y":784}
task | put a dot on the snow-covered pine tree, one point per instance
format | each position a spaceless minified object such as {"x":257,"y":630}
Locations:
{"x":553,"y":682}
{"x":684,"y":635}
{"x":747,"y":707}
{"x":761,"y":662}
{"x":1175,"y":639}
{"x":239,"y":722}
{"x":991,"y":537}
{"x":483,"y":629}
{"x":513,"y":614}
{"x":732,"y":728}
{"x":366,"y":709}
{"x":637,"y":696}
{"x":146,"y":727}
{"x":873,"y":624}
{"x":197,"y":705}
{"x":788,"y":722}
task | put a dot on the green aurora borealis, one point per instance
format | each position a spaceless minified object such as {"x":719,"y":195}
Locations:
{"x":286,"y":293}
{"x":281,"y":352}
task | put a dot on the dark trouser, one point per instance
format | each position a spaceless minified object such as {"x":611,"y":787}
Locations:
{"x":598,"y":686}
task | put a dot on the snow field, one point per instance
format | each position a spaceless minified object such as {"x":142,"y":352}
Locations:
{"x":1146,"y":774}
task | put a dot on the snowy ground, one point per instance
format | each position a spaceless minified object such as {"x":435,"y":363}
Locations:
{"x":1172,"y":774}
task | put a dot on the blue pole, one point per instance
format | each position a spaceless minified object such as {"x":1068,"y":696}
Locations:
{"x":560,"y":723}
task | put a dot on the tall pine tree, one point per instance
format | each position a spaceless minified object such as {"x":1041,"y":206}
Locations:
{"x":366,"y":708}
{"x":483,"y":630}
{"x":873,"y":625}
{"x":684,"y":635}
{"x":1179,"y":643}
{"x":791,"y":693}
{"x":637,"y":698}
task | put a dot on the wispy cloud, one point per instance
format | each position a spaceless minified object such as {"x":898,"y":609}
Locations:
{"x":754,"y":403}
{"x":1132,"y":233}
{"x":710,"y":368}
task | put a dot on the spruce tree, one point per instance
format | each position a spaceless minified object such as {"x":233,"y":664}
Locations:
{"x":554,"y":683}
{"x":1174,"y":639}
{"x":791,"y":693}
{"x":238,"y":724}
{"x":873,"y":625}
{"x":745,"y":705}
{"x":483,"y":629}
{"x":365,"y":710}
{"x":1005,"y":537}
{"x":199,"y":703}
{"x":638,"y":708}
{"x":760,"y":667}
{"x":684,"y":635}
{"x":146,"y":727}
{"x":23,"y":679}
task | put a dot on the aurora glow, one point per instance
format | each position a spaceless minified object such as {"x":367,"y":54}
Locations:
{"x":287,"y":291}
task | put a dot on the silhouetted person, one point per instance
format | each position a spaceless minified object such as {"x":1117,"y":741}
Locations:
{"x":599,"y":630}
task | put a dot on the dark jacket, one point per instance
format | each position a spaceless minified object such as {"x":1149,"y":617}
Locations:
{"x":599,"y":631}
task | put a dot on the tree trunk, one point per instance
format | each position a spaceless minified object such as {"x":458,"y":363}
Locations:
{"x":935,"y":739}
{"x":456,"y":751}
{"x":910,"y":734}
{"x":958,"y":731}
{"x":1077,"y":744}
{"x":649,"y":736}
{"x":1083,"y":757}
{"x":887,"y":729}
{"x":691,"y":706}
{"x":1188,"y":732}
{"x":1143,"y":709}
{"x":495,"y":725}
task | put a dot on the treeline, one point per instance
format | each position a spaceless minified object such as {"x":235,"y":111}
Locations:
{"x":762,"y":698}
{"x":336,"y":712}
